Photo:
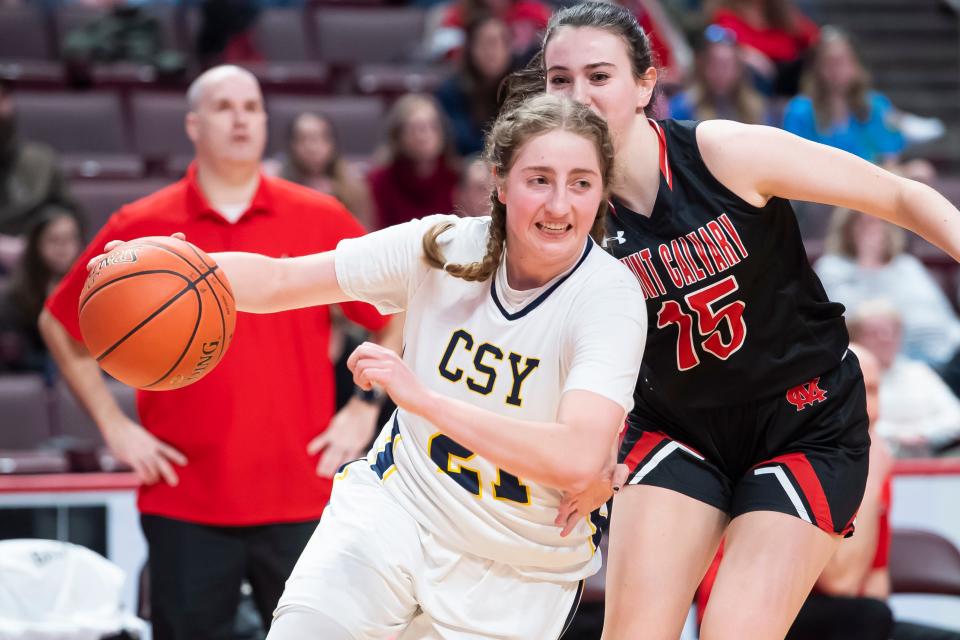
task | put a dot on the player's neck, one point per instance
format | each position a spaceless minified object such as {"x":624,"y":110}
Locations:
{"x":228,"y":185}
{"x":637,"y":178}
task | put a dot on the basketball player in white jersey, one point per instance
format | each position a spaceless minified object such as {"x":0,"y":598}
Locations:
{"x":523,"y":340}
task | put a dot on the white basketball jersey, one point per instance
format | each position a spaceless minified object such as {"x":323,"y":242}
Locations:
{"x":511,"y":352}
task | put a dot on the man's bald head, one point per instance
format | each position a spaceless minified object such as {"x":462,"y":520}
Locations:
{"x":226,"y":120}
{"x":211,"y":77}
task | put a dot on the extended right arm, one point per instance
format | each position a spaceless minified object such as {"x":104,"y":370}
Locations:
{"x":266,"y":285}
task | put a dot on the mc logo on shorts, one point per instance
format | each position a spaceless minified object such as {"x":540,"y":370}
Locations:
{"x":804,"y":395}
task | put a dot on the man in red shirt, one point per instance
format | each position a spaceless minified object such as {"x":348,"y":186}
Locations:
{"x":232,"y":488}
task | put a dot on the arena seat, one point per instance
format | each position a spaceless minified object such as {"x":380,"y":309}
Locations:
{"x":281,"y":35}
{"x":350,"y":36}
{"x":21,"y":461}
{"x":72,"y":122}
{"x":101,"y":198}
{"x":923,"y":562}
{"x":68,"y":17}
{"x":24,"y":35}
{"x":101,"y":165}
{"x":70,"y":419}
{"x":394,"y":80}
{"x":157,"y":122}
{"x":25,"y":407}
{"x":357,"y":119}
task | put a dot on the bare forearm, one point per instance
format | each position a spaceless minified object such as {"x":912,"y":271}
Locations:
{"x":267,"y":285}
{"x":82,"y":374}
{"x":555,"y":454}
{"x":927,"y":213}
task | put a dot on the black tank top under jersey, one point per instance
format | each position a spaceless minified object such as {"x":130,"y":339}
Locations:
{"x":735,"y":311}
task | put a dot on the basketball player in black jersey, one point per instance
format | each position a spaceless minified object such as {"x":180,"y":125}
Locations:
{"x":750,"y":418}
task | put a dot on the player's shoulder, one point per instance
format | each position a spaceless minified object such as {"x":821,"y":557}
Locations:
{"x":605,"y":275}
{"x":464,"y":239}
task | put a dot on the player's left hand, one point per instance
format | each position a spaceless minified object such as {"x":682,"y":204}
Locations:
{"x":577,"y":506}
{"x":347,"y":437}
{"x":372,"y":364}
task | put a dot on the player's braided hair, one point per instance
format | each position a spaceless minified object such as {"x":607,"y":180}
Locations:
{"x":608,"y":16}
{"x":533,"y":117}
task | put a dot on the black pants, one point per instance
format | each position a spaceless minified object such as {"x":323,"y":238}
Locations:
{"x":835,"y":618}
{"x":196,"y":572}
{"x":825,"y":617}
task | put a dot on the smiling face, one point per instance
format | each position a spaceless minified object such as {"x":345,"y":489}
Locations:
{"x":593,"y":67}
{"x":552,"y":193}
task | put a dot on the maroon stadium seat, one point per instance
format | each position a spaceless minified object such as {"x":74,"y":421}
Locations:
{"x":20,"y":461}
{"x":349,"y":36}
{"x":26,"y":53}
{"x":158,"y":129}
{"x":923,"y":562}
{"x":71,"y":420}
{"x":23,"y":34}
{"x":25,"y":407}
{"x":397,"y":79}
{"x":73,"y":122}
{"x":101,"y":198}
{"x":68,"y":17}
{"x":281,"y":35}
{"x":101,"y":165}
{"x":356,"y":119}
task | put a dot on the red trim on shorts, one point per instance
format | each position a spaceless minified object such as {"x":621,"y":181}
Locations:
{"x":810,"y":485}
{"x":642,"y":448}
{"x":848,"y":528}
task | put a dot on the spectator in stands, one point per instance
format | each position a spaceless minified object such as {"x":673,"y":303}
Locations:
{"x":476,"y":186}
{"x":670,"y":48}
{"x":226,"y":32}
{"x":418,"y":169}
{"x":124,"y":32}
{"x":314,"y":160}
{"x":232,"y":487}
{"x":469,"y":96}
{"x":52,"y":246}
{"x":919,"y":414}
{"x":840,"y":109}
{"x":721,"y":88}
{"x":773,"y":36}
{"x":526,"y":20}
{"x":31,"y":182}
{"x":865,"y":259}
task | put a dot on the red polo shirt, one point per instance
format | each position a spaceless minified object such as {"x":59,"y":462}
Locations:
{"x":244,"y":428}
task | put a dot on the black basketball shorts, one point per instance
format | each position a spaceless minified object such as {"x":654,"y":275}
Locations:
{"x":803,"y":452}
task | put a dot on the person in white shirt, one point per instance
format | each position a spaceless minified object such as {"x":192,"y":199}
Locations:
{"x":522,"y":343}
{"x":919,"y":411}
{"x":865,"y":260}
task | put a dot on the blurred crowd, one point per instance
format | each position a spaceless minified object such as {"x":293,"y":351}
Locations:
{"x":756,"y":61}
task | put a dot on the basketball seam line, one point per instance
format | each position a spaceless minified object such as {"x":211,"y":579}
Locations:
{"x":104,"y":285}
{"x":191,"y":286}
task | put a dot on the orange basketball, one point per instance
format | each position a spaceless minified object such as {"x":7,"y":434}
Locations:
{"x":157,"y":313}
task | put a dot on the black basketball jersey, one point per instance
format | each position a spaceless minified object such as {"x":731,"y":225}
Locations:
{"x":735,"y":311}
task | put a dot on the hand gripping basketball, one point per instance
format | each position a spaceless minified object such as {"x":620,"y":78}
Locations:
{"x":157,"y":313}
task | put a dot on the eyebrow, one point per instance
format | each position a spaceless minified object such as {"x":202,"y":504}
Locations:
{"x":539,"y":169}
{"x":591,"y":66}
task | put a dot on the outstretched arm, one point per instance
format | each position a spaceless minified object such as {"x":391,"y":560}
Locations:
{"x":266,"y":285}
{"x":758,"y":163}
{"x":262,"y":284}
